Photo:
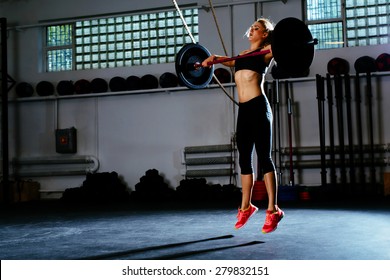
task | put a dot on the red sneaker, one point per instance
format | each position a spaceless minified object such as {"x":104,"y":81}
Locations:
{"x":272,"y":220}
{"x":243,"y":216}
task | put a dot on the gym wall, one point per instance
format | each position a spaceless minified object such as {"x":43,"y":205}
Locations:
{"x":129,"y":133}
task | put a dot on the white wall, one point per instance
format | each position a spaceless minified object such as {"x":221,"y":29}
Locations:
{"x":133,"y":133}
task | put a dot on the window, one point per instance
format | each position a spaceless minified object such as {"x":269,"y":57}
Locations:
{"x":119,"y":41}
{"x":367,"y":22}
{"x":59,"y":47}
{"x":348,"y":23}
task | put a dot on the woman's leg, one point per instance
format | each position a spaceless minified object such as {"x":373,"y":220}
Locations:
{"x":245,"y":144}
{"x":273,"y":214}
{"x":247,"y":209}
{"x":247,"y":186}
{"x":272,"y":190}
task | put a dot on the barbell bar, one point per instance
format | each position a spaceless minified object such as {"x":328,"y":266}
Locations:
{"x":292,"y":48}
{"x":226,"y":59}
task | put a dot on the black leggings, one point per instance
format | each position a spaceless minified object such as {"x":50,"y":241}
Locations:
{"x":254,"y":129}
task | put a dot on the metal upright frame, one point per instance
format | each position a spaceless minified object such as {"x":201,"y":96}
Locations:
{"x":4,"y":108}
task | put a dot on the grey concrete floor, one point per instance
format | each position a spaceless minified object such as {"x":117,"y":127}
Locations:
{"x":356,"y":231}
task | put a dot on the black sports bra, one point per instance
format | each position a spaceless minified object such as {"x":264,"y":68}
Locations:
{"x":255,"y":63}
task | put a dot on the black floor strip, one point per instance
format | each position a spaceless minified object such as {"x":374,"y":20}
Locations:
{"x":190,"y":253}
{"x":152,"y":248}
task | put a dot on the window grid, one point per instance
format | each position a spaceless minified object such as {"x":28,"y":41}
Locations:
{"x":59,"y":60}
{"x":323,"y":9}
{"x":365,"y":22}
{"x":132,"y":40}
{"x":59,"y":54}
{"x":331,"y":34}
{"x":121,"y":41}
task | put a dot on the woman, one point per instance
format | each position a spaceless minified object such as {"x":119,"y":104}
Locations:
{"x":254,"y":124}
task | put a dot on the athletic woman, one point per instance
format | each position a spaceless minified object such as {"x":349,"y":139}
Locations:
{"x":254,"y":123}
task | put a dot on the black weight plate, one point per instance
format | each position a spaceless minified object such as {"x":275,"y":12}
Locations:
{"x":365,"y":64}
{"x":383,"y":62}
{"x":187,"y":73}
{"x":133,"y":83}
{"x":82,"y":86}
{"x":338,"y":66}
{"x":99,"y":85}
{"x":168,"y":80}
{"x":44,"y":88}
{"x":65,"y":88}
{"x":292,"y":46}
{"x":149,"y":81}
{"x":24,"y":89}
{"x":117,"y":84}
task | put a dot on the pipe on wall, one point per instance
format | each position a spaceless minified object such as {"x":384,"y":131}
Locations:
{"x":54,"y":166}
{"x":315,"y":150}
{"x":307,"y":164}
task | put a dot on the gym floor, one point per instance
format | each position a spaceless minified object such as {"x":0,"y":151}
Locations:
{"x":355,"y":230}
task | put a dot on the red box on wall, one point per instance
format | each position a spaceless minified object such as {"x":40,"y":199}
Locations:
{"x":66,"y":140}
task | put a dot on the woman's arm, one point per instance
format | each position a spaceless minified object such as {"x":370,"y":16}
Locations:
{"x":217,"y":57}
{"x":268,"y":57}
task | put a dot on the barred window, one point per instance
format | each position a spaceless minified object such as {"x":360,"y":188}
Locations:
{"x":151,"y":38}
{"x":367,"y":22}
{"x":348,"y":23}
{"x":59,"y":48}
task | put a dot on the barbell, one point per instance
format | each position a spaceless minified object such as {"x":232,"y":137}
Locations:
{"x":292,"y":47}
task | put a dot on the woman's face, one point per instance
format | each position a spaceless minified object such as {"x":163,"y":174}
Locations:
{"x":256,"y":32}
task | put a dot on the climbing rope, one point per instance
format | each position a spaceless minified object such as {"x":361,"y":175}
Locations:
{"x":194,"y":41}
